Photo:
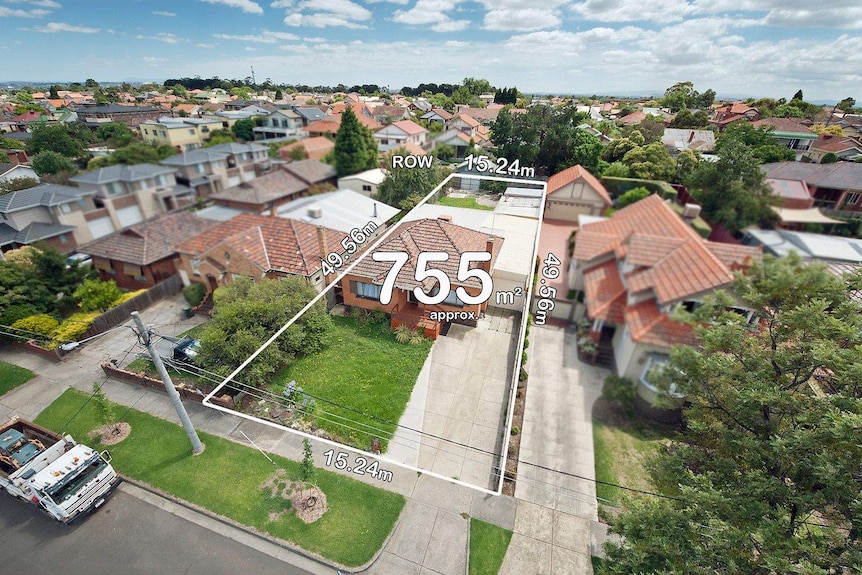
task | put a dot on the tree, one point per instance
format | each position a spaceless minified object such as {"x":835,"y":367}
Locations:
{"x":244,"y":129}
{"x":306,"y":468}
{"x":10,"y":144}
{"x":765,"y":477}
{"x":732,"y":190}
{"x":686,"y":163}
{"x":247,"y":313}
{"x":616,"y":170}
{"x":760,"y":141}
{"x":135,"y":153}
{"x":48,"y":162}
{"x":16,"y":184}
{"x":115,"y":134}
{"x":834,"y":129}
{"x":96,"y":295}
{"x":619,"y":147}
{"x":847,"y":105}
{"x":650,"y":162}
{"x":90,"y":83}
{"x":401,"y":182}
{"x":279,"y":95}
{"x":218,"y":137}
{"x":55,"y":138}
{"x":682,"y":95}
{"x":685,"y":119}
{"x":829,"y":158}
{"x":180,"y":91}
{"x":797,"y":96}
{"x":632,"y":196}
{"x":104,"y":408}
{"x":52,"y":92}
{"x":788,"y":111}
{"x":353,"y":151}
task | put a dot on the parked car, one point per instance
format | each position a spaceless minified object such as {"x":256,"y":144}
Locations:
{"x":83,"y":260}
{"x":186,"y":350}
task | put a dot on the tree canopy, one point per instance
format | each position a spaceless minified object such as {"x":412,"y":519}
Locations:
{"x":244,"y":129}
{"x":765,"y":476}
{"x":682,"y":95}
{"x":355,"y":147}
{"x":57,"y":138}
{"x":403,"y":187}
{"x":135,"y":153}
{"x":49,"y":162}
{"x":247,"y":313}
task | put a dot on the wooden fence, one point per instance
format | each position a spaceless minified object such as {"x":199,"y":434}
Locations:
{"x":120,"y":314}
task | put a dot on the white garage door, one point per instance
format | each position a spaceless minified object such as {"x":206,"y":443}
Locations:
{"x":233,"y":181}
{"x":566,"y":211}
{"x":129,"y":216}
{"x":101,"y":227}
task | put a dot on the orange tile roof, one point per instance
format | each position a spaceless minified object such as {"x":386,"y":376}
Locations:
{"x":429,"y":235}
{"x":605,"y":294}
{"x":316,"y":147}
{"x":409,"y":127}
{"x":414,"y":149}
{"x":671,"y":259}
{"x":273,"y":244}
{"x":648,"y":325}
{"x":574,"y":173}
{"x":467,"y":119}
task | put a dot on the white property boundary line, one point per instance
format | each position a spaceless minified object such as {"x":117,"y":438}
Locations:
{"x":513,"y":384}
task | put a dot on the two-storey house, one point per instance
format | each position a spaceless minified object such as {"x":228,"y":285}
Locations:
{"x":181,"y":134}
{"x":204,"y":171}
{"x":399,"y":134}
{"x":280,"y":124}
{"x":245,"y":162}
{"x":49,"y":213}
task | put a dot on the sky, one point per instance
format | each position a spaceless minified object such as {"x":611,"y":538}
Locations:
{"x":760,"y":48}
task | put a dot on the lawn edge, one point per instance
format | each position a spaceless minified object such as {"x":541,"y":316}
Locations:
{"x":290,"y":546}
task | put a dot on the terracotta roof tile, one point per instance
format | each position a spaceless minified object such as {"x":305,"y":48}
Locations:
{"x":276,"y":185}
{"x":646,"y":324}
{"x":574,"y":173}
{"x":605,"y":294}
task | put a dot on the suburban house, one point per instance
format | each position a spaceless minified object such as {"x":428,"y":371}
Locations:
{"x":280,"y":124}
{"x":362,"y":287}
{"x":126,"y":195}
{"x":678,"y":139}
{"x":460,"y":142}
{"x":484,"y":116}
{"x":846,"y":148}
{"x":342,"y":210}
{"x":132,"y":116}
{"x":309,"y":114}
{"x":9,"y":172}
{"x":573,"y":192}
{"x":278,"y":187}
{"x":635,"y":268}
{"x":143,"y":255}
{"x":399,"y":134}
{"x":438,"y":115}
{"x":790,"y":133}
{"x":834,"y":187}
{"x":385,"y":113}
{"x":314,"y":148}
{"x":47,"y":213}
{"x":179,"y":133}
{"x":814,"y":247}
{"x":257,"y":247}
{"x":792,"y":194}
{"x":724,"y":115}
{"x":203,"y":170}
{"x":366,"y":183}
{"x":245,"y":162}
{"x":465,"y":124}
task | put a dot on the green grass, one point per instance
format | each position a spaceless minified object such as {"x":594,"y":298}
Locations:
{"x":463,"y":203}
{"x":11,"y":376}
{"x":362,"y":370}
{"x":194,"y":332}
{"x":227,"y":479}
{"x":488,"y":544}
{"x":621,"y":453}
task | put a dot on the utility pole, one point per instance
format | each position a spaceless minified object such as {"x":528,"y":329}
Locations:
{"x":197,"y":446}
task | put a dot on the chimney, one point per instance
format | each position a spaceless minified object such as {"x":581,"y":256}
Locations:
{"x":375,"y":210}
{"x":489,"y":247}
{"x":321,"y":242}
{"x":445,"y":218}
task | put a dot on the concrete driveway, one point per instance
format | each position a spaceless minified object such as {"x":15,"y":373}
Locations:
{"x":458,"y":402}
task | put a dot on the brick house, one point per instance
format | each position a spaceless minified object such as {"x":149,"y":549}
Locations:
{"x":132,"y":116}
{"x":575,"y":191}
{"x":834,"y":187}
{"x":363,"y":286}
{"x":278,"y":187}
{"x":635,"y":268}
{"x":144,"y":254}
{"x":257,"y":247}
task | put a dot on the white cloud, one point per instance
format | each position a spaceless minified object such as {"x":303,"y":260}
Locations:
{"x":250,"y":49}
{"x":244,"y":5}
{"x":314,"y":39}
{"x":326,"y":13}
{"x":54,"y":27}
{"x":433,"y":12}
{"x":402,"y":2}
{"x":41,"y":3}
{"x":818,"y":18}
{"x":204,"y":45}
{"x":263,"y":37}
{"x":164,"y":13}
{"x":281,"y":4}
{"x":163,"y":37}
{"x":660,"y":11}
{"x":16,"y":13}
{"x":521,"y":19}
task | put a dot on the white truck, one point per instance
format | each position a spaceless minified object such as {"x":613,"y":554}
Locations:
{"x":65,"y":479}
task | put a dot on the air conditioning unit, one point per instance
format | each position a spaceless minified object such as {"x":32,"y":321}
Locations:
{"x":691,"y":212}
{"x":315,"y":212}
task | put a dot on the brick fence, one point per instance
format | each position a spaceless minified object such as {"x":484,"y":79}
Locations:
{"x":186,"y":391}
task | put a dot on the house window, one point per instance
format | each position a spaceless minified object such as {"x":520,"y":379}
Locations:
{"x":747,"y":314}
{"x":199,"y":168}
{"x":652,"y":374}
{"x":114,"y":188}
{"x":63,"y":239}
{"x":192,"y":131}
{"x":195,"y":263}
{"x":161,"y":180}
{"x":164,"y":134}
{"x":365,"y":290}
{"x":691,"y":305}
{"x":66,"y":208}
{"x":366,"y":188}
{"x":853,"y":199}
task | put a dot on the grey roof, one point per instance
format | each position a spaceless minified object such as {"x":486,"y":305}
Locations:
{"x":808,"y":245}
{"x":122,"y":173}
{"x":341,"y":210}
{"x":34,"y":232}
{"x":310,"y":114}
{"x":194,"y":157}
{"x":42,"y":195}
{"x":20,"y":136}
{"x":5,"y":167}
{"x":115,"y":109}
{"x":312,"y":171}
{"x":840,"y":175}
{"x":218,"y":213}
{"x":234,"y":148}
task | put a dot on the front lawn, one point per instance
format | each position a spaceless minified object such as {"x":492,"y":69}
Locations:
{"x":11,"y":376}
{"x":463,"y":203}
{"x":365,"y":374}
{"x":488,"y":544}
{"x":227,"y":480}
{"x":621,"y":451}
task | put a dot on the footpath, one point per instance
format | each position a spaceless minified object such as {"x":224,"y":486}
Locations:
{"x":432,"y":535}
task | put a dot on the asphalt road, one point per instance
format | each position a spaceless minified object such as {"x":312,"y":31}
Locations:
{"x":125,"y":536}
